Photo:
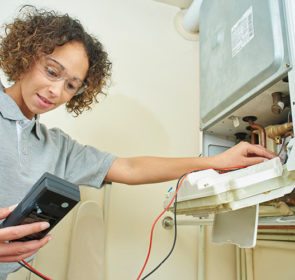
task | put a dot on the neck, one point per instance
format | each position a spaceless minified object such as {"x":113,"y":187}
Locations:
{"x":15,"y":93}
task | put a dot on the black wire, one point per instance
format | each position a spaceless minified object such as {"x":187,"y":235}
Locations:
{"x":23,"y":265}
{"x":175,"y":223}
{"x":282,"y":147}
{"x":175,"y":234}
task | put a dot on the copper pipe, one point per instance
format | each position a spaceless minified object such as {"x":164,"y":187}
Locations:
{"x":254,"y":137}
{"x":261,"y":130}
{"x":256,"y":129}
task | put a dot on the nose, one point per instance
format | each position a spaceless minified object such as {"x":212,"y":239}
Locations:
{"x":56,"y":87}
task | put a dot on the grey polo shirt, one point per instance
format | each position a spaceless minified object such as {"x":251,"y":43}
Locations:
{"x":28,"y":149}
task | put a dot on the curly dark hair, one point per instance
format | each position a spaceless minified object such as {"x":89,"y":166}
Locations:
{"x":37,"y":31}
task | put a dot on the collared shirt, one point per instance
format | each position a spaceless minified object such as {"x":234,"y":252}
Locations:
{"x":28,"y":149}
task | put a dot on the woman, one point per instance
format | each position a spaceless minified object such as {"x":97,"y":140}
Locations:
{"x":52,"y":61}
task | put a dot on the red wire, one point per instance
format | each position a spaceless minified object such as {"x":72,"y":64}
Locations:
{"x":165,"y":210}
{"x":153,"y":226}
{"x":35,"y":270}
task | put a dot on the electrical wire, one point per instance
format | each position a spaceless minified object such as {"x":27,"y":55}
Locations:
{"x":174,"y":199}
{"x":154,"y":223}
{"x":282,"y":147}
{"x":26,"y":265}
{"x":175,"y":235}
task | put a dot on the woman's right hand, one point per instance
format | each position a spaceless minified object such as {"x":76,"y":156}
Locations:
{"x":16,"y":251}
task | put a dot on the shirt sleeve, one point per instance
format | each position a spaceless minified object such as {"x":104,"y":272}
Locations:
{"x":85,"y":165}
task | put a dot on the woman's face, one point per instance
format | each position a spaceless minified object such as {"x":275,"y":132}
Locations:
{"x":53,"y":80}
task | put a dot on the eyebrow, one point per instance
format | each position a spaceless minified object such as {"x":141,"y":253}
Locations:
{"x":63,"y":68}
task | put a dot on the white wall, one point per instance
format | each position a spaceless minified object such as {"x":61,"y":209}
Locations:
{"x":151,"y":109}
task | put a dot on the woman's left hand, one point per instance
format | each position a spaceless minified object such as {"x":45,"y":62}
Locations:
{"x":242,"y":154}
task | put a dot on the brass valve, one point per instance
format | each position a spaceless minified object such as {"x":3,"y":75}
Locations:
{"x":276,"y":132}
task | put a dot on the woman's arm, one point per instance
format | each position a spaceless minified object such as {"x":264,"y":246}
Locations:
{"x":144,"y":170}
{"x":16,"y":251}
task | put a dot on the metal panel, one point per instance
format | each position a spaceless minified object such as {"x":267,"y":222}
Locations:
{"x":243,"y":49}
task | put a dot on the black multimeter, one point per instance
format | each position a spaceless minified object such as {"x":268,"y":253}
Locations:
{"x":49,"y":200}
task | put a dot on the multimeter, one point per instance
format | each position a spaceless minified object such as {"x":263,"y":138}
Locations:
{"x":49,"y":200}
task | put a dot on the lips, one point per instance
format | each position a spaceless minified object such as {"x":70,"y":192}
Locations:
{"x":44,"y":102}
{"x":44,"y":99}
